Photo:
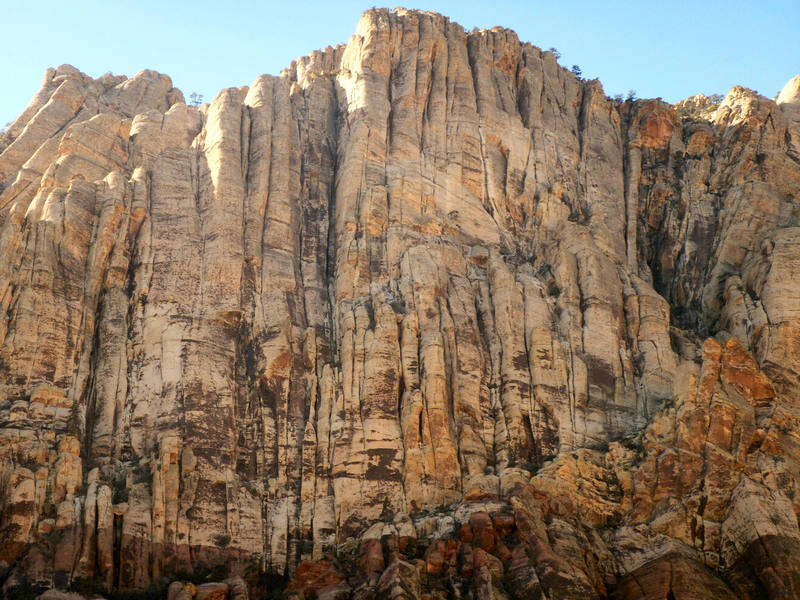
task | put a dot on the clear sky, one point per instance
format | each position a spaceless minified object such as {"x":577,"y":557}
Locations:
{"x":664,"y":48}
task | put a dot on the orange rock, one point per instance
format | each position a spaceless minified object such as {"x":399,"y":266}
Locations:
{"x":503,"y":553}
{"x":466,"y":560}
{"x":212,"y":591}
{"x":484,"y":559}
{"x":699,"y":143}
{"x":401,"y":281}
{"x":371,"y":559}
{"x":504,"y":524}
{"x":465,"y":533}
{"x":740,"y":370}
{"x":434,"y":561}
{"x":313,"y":576}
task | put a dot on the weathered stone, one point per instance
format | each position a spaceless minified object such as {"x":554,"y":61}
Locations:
{"x":212,"y":591}
{"x":314,"y":576}
{"x":423,"y":294}
{"x":237,"y":589}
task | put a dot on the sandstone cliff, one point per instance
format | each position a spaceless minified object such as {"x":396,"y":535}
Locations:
{"x":424,"y":316}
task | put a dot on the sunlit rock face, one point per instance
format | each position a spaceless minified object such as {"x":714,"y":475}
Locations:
{"x":424,"y":316}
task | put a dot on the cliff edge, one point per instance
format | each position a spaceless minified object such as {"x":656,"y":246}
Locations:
{"x":425,"y":316}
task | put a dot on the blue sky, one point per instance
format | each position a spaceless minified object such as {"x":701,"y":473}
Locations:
{"x":669,"y":49}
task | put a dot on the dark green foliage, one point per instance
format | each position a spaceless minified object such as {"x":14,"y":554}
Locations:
{"x":270,"y":586}
{"x":205,"y":574}
{"x":92,"y":588}
{"x":23,"y":591}
{"x":121,"y":495}
{"x":87,"y":587}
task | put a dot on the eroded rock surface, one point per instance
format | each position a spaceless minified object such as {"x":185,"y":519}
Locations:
{"x":424,"y":316}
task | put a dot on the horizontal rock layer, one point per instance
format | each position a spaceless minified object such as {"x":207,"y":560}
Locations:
{"x":426,"y":314}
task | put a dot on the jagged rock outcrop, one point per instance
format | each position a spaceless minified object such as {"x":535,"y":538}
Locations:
{"x":424,"y":316}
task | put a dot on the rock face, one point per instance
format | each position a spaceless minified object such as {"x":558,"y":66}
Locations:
{"x":425,"y":316}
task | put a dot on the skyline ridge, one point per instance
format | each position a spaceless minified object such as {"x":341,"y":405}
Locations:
{"x":200,"y":51}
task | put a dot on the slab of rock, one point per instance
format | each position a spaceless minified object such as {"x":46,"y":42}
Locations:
{"x":212,"y":591}
{"x":426,"y":303}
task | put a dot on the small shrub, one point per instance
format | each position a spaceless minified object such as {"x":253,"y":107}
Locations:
{"x":270,"y":586}
{"x":613,"y":521}
{"x":120,"y":495}
{"x":195,"y":99}
{"x":87,"y":587}
{"x":23,"y":591}
{"x":531,"y":467}
{"x":205,"y":574}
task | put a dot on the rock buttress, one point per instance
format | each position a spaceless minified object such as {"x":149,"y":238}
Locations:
{"x":426,"y":305}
